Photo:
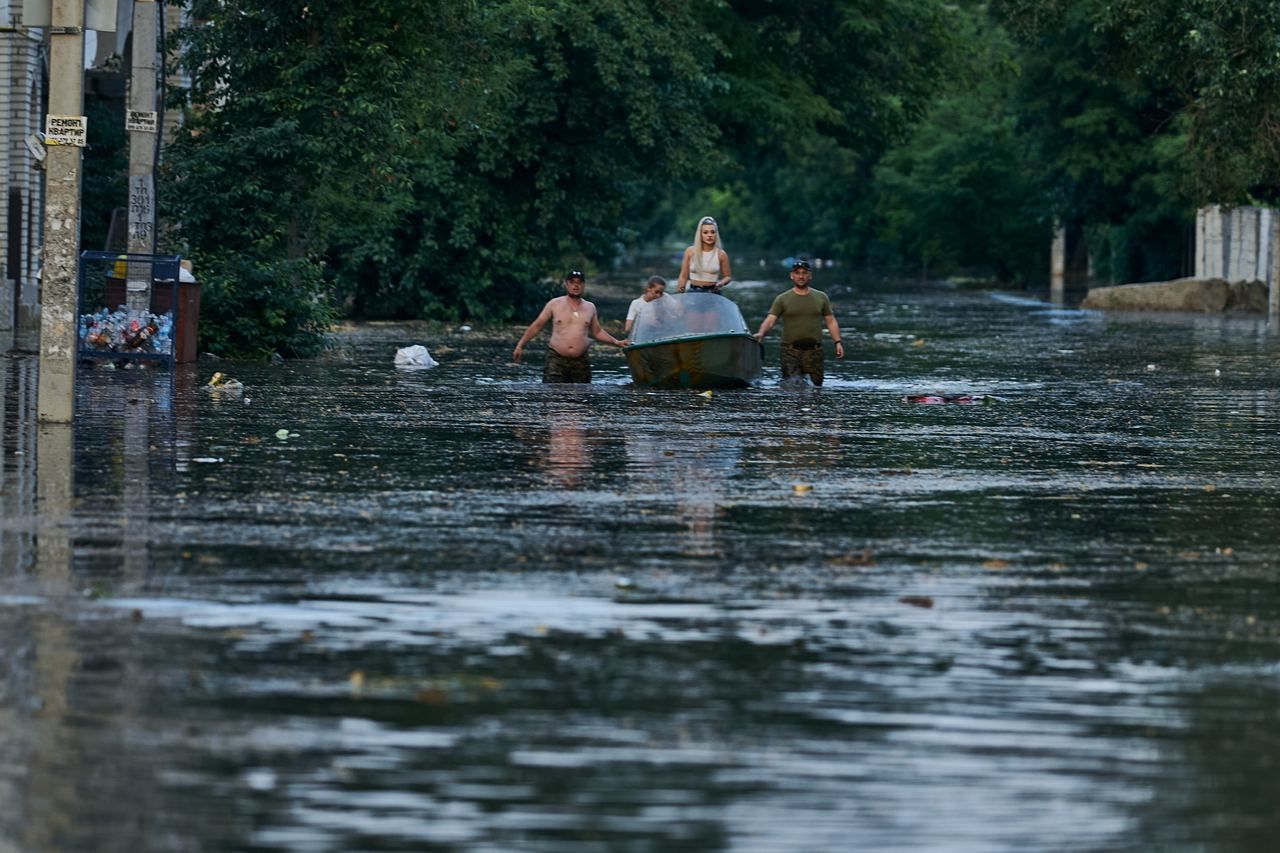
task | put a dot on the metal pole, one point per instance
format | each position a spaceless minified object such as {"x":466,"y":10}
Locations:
{"x":60,"y":273}
{"x":142,"y":151}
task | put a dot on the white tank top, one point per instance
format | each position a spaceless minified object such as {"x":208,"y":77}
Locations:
{"x":705,"y":266}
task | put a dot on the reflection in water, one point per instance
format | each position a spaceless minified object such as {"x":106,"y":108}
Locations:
{"x":18,"y":380}
{"x":55,"y":672}
{"x":36,"y":791}
{"x":446,"y":614}
{"x":49,"y":790}
{"x":18,"y":394}
{"x":55,"y":497}
{"x":568,"y":450}
{"x":693,"y":471}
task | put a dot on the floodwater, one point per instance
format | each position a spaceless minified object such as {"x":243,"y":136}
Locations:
{"x":454,"y":609}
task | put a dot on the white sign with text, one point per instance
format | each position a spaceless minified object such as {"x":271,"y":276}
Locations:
{"x":65,"y":130}
{"x":144,"y":120}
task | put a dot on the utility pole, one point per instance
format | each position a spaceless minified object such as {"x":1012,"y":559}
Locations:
{"x":1058,"y":264}
{"x":60,"y":270}
{"x":142,"y":150}
{"x":1273,"y":292}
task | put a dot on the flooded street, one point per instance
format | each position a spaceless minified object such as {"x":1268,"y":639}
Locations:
{"x":455,"y":609}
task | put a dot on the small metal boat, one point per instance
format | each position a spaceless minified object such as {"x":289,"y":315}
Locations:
{"x":692,"y":340}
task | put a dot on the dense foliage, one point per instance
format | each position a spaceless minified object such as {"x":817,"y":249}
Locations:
{"x":962,"y":192}
{"x":1217,"y":65}
{"x":105,"y":172}
{"x":810,"y":95}
{"x":431,"y":159}
{"x":448,"y":158}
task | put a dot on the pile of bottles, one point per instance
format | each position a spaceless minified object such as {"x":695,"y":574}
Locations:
{"x":125,"y":330}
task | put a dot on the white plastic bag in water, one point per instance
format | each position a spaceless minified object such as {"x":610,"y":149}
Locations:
{"x":415,"y":357}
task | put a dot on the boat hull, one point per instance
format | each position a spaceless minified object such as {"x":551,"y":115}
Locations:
{"x":697,"y":361}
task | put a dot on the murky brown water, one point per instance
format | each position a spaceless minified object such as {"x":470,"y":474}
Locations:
{"x":459,"y":610}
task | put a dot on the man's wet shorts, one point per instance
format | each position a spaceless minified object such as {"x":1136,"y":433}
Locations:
{"x":803,"y":357}
{"x":559,"y":368}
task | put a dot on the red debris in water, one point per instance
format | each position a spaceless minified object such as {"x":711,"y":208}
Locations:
{"x":959,"y":399}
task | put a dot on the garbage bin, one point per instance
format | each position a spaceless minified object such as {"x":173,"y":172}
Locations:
{"x":186,"y":318}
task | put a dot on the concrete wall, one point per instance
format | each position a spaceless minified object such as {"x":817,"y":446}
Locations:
{"x":1236,"y":243}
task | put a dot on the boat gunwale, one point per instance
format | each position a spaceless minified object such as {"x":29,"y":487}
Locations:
{"x":680,"y":339}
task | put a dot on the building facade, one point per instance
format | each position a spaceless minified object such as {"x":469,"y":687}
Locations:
{"x":22,"y":99}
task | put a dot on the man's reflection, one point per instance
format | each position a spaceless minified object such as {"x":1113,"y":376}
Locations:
{"x":568,"y":450}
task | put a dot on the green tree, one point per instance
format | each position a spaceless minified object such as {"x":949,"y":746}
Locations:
{"x":810,"y":95}
{"x":419,"y":158}
{"x":591,"y":120}
{"x":961,"y":193}
{"x":292,"y":135}
{"x":106,"y":172}
{"x":1107,"y":143}
{"x":1216,"y":65}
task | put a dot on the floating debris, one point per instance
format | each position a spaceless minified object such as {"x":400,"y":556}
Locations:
{"x":415,"y":357}
{"x":220,"y":383}
{"x":956,"y":399}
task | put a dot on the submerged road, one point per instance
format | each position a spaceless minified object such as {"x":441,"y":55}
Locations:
{"x":455,"y":609}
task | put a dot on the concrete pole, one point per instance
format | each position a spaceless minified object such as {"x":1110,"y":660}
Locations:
{"x":1213,"y":251}
{"x":1247,"y":242}
{"x":142,"y":148}
{"x":1058,"y":265}
{"x":1273,"y":289}
{"x":1265,"y":246}
{"x":1201,"y":235}
{"x":58,"y":303}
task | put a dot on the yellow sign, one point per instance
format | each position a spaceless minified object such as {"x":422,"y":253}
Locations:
{"x":65,"y":130}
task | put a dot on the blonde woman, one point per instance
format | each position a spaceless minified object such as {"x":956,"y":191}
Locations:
{"x":706,"y":263}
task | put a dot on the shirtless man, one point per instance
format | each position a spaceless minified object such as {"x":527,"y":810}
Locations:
{"x":572,"y":318}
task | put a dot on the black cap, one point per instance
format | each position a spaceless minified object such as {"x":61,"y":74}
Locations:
{"x":800,"y":264}
{"x":575,"y":274}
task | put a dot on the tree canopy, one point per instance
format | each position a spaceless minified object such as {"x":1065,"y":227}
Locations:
{"x":1215,"y":64}
{"x":446,"y":159}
